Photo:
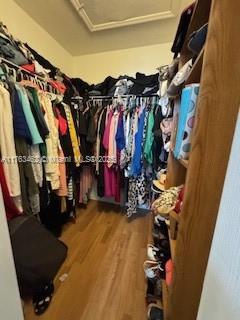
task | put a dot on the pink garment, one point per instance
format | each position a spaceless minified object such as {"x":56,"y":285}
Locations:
{"x":112,"y":148}
{"x":63,"y":190}
{"x":111,"y":180}
{"x":86,"y":181}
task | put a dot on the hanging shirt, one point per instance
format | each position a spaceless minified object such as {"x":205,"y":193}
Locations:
{"x":37,"y":112}
{"x":7,"y":145}
{"x":97,"y":153}
{"x":51,"y":165}
{"x":137,"y":159}
{"x":20,"y":125}
{"x":10,"y":208}
{"x":112,"y":146}
{"x":73,"y":135}
{"x":148,"y":154}
{"x":120,"y":138}
{"x":36,"y":138}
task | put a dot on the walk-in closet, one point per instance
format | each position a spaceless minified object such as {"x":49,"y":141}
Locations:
{"x":119,"y":152}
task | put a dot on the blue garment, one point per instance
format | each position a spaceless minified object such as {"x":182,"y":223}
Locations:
{"x":136,"y":168}
{"x":20,"y":125}
{"x":120,"y":138}
{"x":36,"y":138}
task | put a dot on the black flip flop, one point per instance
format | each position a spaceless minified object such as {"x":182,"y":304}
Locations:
{"x":41,"y":301}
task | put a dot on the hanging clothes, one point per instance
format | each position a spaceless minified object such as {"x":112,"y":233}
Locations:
{"x":73,"y":136}
{"x":7,"y":145}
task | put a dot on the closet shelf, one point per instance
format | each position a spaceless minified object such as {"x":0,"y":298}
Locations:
{"x":165,"y":295}
{"x":175,"y":216}
{"x":173,"y":244}
{"x":184,"y":162}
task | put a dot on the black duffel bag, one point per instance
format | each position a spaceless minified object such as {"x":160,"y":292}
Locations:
{"x":38,"y":255}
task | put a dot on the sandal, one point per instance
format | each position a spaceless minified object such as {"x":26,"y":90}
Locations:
{"x":154,"y":290}
{"x":41,"y":301}
{"x":153,"y":270}
{"x":155,"y":254}
{"x":154,"y":312}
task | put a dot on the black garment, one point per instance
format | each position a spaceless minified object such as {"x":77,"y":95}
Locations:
{"x":71,"y":90}
{"x":82,"y":87}
{"x":29,"y":186}
{"x":100,"y":177}
{"x":50,"y":208}
{"x":182,"y":29}
{"x":87,"y":131}
{"x":149,"y":84}
{"x":158,"y":141}
{"x":107,"y":87}
{"x":66,"y":144}
{"x":43,"y":62}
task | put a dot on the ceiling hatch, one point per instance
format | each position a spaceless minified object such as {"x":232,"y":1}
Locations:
{"x":109,"y":14}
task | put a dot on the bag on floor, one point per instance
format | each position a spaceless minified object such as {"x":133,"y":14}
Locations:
{"x":38,"y":255}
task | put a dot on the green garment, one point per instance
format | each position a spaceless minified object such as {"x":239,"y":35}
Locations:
{"x":148,"y":154}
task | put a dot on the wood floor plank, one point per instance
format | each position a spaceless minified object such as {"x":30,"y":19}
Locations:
{"x":104,"y":266}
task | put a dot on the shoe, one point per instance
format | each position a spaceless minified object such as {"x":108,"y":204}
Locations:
{"x":154,"y":312}
{"x":178,"y":81}
{"x":173,"y":68}
{"x":166,"y":201}
{"x":154,"y":290}
{"x":153,"y":270}
{"x":43,"y":298}
{"x":179,"y":203}
{"x":160,"y":183}
{"x":158,"y":254}
{"x":198,"y":39}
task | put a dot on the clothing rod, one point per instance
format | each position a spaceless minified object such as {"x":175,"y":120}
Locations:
{"x":123,"y":96}
{"x":21,"y":68}
{"x":77,"y":98}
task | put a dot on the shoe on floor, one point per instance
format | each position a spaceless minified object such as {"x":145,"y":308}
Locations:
{"x":154,"y":312}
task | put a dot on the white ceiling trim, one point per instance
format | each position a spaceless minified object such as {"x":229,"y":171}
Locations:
{"x":79,"y":7}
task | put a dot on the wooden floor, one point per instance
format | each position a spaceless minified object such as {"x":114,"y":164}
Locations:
{"x":104,"y":266}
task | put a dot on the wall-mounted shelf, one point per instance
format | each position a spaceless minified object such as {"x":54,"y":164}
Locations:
{"x":184,"y":163}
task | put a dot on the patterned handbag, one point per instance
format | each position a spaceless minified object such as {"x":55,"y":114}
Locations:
{"x":187,"y":113}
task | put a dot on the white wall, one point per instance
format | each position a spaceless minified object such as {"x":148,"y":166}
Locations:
{"x":10,"y":303}
{"x":21,"y":25}
{"x":221,"y":293}
{"x":94,"y":68}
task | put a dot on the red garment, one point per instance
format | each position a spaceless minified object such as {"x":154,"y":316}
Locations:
{"x":11,"y":209}
{"x":169,"y":272}
{"x":60,"y":86}
{"x":63,"y":125}
{"x":29,"y":67}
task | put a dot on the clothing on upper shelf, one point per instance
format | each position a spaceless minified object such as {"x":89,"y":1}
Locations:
{"x":141,"y":84}
{"x":182,"y":29}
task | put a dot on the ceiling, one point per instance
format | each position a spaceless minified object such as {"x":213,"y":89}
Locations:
{"x":92,"y":26}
